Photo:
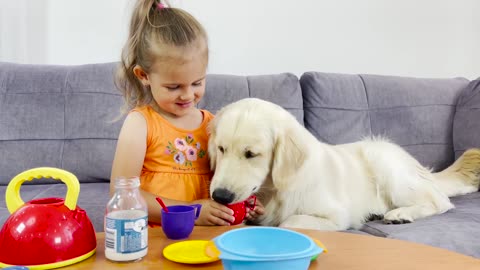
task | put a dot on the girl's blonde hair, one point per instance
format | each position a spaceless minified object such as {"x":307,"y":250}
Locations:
{"x":153,"y":26}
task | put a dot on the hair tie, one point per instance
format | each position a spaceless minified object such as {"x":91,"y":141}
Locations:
{"x":161,"y":6}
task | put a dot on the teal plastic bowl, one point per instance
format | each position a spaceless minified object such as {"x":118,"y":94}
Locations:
{"x":265,"y":248}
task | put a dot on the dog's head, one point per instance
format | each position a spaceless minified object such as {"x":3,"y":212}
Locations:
{"x":251,"y":140}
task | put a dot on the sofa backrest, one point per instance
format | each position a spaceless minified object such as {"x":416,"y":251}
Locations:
{"x":466,"y":124}
{"x":282,"y":89}
{"x":58,"y":116}
{"x":416,"y":113}
{"x":63,"y":116}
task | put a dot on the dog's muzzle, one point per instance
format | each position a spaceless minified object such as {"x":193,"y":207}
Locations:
{"x":223,"y":196}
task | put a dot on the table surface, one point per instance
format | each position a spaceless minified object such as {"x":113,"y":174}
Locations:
{"x":346,"y":251}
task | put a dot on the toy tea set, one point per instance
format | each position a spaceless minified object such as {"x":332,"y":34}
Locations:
{"x":246,"y":248}
{"x":54,"y":232}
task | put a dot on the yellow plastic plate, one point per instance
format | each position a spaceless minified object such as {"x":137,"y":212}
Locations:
{"x":320,"y":244}
{"x":189,"y":251}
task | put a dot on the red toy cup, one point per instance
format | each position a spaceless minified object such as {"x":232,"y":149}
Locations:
{"x":240,"y":209}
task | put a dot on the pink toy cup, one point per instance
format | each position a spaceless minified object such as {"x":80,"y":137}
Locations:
{"x":240,"y":209}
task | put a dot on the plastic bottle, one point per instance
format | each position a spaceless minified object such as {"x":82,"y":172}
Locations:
{"x":126,"y":222}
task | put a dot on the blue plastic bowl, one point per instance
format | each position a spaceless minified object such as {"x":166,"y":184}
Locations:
{"x":265,"y":248}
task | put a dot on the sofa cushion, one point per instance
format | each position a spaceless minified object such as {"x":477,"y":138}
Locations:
{"x":282,"y":89}
{"x":58,"y":116}
{"x":466,"y":123}
{"x":93,"y":199}
{"x":415,"y":113}
{"x":456,"y":230}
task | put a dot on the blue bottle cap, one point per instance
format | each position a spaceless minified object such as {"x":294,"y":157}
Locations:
{"x":16,"y":267}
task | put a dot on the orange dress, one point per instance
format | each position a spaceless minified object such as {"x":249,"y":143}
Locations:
{"x":176,"y":164}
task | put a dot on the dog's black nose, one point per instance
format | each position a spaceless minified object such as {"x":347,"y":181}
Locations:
{"x":223,"y":196}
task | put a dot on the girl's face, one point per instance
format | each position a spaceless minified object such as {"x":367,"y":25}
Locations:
{"x":177,"y":82}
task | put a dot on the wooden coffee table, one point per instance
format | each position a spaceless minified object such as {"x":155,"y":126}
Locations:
{"x":346,"y":251}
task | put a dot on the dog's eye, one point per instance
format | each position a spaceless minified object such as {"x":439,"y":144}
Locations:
{"x":221,"y":149}
{"x":249,"y":154}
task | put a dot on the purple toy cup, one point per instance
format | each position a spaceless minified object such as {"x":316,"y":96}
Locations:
{"x":178,"y":223}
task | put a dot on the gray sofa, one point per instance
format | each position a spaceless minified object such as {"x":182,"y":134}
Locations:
{"x":64,"y":116}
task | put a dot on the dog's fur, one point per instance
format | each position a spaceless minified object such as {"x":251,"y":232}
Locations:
{"x":258,"y":147}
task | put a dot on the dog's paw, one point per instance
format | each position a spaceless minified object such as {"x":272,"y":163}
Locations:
{"x":401,"y":221}
{"x":373,"y":217}
{"x":294,"y":222}
{"x":310,"y":222}
{"x":397,"y":216}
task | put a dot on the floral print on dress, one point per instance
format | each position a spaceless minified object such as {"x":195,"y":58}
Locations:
{"x":185,"y":150}
{"x":179,"y":158}
{"x":191,"y":153}
{"x":181,"y":144}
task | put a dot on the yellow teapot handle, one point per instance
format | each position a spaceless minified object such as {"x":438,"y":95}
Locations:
{"x":12,"y":195}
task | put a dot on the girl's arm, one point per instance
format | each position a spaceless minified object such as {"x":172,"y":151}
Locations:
{"x":131,"y":148}
{"x":129,"y":157}
{"x":154,"y":214}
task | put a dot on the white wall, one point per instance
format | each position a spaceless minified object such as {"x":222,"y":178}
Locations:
{"x":23,"y":31}
{"x":86,"y":31}
{"x":428,"y":38}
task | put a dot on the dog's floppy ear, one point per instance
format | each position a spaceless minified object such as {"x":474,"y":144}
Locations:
{"x":289,"y":155}
{"x":212,"y":147}
{"x":212,"y":134}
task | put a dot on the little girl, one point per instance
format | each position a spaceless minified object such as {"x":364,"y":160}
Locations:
{"x":164,"y":138}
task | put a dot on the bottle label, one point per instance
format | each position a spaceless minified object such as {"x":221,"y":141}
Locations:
{"x":126,"y":235}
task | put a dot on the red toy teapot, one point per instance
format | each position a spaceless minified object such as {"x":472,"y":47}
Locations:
{"x":45,"y":233}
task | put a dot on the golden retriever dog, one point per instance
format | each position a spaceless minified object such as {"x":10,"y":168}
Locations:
{"x":258,"y":147}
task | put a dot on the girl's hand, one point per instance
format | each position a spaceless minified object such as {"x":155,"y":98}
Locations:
{"x":257,"y":211}
{"x":213,"y":213}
